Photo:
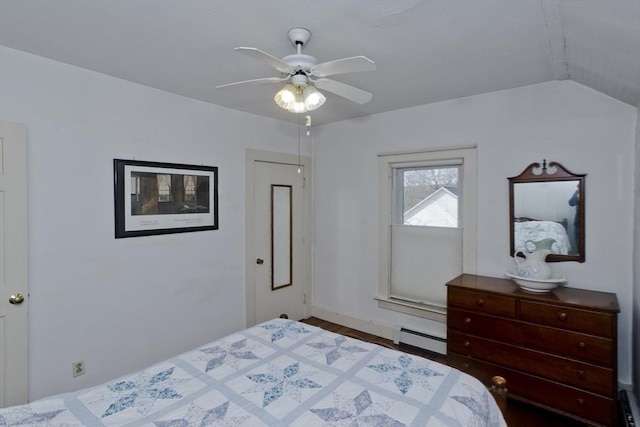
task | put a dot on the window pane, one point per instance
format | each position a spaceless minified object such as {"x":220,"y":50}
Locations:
{"x":164,"y":188}
{"x":430,"y":196}
{"x":189,"y":187}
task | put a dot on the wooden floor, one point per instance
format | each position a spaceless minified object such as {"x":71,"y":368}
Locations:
{"x":518,"y":414}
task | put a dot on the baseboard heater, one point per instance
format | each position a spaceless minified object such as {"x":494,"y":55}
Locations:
{"x":420,"y":339}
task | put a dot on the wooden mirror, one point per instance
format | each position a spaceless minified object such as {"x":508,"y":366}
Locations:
{"x":546,"y":210}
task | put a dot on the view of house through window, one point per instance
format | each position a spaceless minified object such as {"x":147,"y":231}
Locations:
{"x":429,"y":196}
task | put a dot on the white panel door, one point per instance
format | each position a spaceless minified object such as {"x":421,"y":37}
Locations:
{"x":14,"y":360}
{"x":279,"y":241}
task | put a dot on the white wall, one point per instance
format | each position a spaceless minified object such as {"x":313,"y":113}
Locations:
{"x":582,"y":129}
{"x":123,"y":304}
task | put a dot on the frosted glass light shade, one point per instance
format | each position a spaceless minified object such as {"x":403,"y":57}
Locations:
{"x":313,"y":98}
{"x":286,"y":96}
{"x":299,"y":99}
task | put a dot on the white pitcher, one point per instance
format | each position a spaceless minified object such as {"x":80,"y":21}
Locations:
{"x":533,"y":266}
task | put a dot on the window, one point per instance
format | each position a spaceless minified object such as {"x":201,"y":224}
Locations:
{"x":135,"y":187}
{"x":189,"y":187}
{"x":164,"y":188}
{"x":427,"y":227}
{"x":427,"y":196}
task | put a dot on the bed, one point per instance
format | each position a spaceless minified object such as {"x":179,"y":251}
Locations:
{"x":527,"y":229}
{"x":278,"y":373}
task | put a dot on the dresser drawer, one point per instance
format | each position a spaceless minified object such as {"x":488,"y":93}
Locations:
{"x":571,"y":372}
{"x":541,"y":392}
{"x":587,"y":348}
{"x":480,"y":302}
{"x":573,"y":319}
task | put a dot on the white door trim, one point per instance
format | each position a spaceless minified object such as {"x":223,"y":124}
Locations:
{"x":252,"y":156}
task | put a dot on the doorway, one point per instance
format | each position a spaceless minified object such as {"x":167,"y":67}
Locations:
{"x":278,"y":230}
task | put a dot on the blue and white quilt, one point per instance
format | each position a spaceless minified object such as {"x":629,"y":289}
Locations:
{"x":278,"y":373}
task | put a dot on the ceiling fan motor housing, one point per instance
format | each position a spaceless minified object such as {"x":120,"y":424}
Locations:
{"x":299,"y":79}
{"x":300,"y":62}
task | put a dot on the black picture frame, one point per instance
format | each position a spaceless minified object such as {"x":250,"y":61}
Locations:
{"x":153,"y":198}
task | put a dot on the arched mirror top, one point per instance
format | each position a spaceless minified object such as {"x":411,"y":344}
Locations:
{"x":546,"y":210}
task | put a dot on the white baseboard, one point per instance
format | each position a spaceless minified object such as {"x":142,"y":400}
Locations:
{"x":369,"y":326}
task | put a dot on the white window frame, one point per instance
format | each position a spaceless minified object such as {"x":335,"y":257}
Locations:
{"x":387,"y":163}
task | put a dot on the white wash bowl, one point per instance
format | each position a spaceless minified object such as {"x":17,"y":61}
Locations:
{"x":538,"y":285}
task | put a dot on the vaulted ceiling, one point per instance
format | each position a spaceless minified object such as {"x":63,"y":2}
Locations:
{"x":425,"y":51}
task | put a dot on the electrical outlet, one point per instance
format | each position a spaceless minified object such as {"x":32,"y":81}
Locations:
{"x":78,"y":368}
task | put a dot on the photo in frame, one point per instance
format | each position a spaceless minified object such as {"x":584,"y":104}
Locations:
{"x":161,"y":198}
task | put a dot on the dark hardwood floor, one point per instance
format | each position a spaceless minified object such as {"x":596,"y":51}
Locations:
{"x":518,"y":414}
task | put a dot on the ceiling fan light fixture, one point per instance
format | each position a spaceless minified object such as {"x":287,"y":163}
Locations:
{"x":299,"y":99}
{"x":298,"y":107}
{"x":286,"y":96}
{"x":313,"y":98}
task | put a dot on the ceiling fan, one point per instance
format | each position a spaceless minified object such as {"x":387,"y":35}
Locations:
{"x":303,"y":75}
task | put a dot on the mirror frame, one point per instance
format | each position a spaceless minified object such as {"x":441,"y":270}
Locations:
{"x":554,"y":172}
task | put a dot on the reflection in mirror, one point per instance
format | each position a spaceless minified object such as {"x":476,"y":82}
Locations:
{"x":547,"y":212}
{"x":281,"y":243}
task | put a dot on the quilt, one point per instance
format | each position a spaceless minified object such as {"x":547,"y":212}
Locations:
{"x":278,"y":373}
{"x":539,"y":230}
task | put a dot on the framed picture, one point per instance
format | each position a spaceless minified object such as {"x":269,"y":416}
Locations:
{"x":161,"y":198}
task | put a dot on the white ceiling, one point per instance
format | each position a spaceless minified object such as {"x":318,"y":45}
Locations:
{"x":425,"y":51}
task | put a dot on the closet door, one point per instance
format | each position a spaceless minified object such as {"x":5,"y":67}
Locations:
{"x":14,"y":356}
{"x":278,"y":233}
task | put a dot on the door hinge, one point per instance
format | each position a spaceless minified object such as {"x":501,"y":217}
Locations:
{"x":304,"y":182}
{"x":304,"y":298}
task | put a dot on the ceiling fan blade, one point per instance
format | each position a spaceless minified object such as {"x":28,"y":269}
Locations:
{"x":344,"y":90}
{"x":355,"y":64}
{"x":262,"y":80}
{"x":276,"y":63}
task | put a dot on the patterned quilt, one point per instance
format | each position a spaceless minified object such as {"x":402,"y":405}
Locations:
{"x":539,"y":230}
{"x":278,"y":373}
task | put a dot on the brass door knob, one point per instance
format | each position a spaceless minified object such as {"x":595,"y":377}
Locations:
{"x":259,"y":261}
{"x":16,"y":299}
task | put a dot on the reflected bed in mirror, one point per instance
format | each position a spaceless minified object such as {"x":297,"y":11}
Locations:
{"x":547,"y":212}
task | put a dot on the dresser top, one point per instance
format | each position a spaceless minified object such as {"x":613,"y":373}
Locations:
{"x":580,"y":298}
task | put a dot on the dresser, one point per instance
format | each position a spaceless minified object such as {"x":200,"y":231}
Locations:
{"x":557,"y":350}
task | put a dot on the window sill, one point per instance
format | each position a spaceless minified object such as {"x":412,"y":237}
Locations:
{"x":438,"y":314}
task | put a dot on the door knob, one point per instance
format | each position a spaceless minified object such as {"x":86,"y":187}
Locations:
{"x":16,"y":299}
{"x":259,"y":261}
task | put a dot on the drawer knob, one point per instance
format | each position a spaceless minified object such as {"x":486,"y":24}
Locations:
{"x":580,"y":402}
{"x":479,"y":302}
{"x":467,"y":344}
{"x":563,"y":316}
{"x":467,"y":320}
{"x":582,"y":346}
{"x":581,"y":374}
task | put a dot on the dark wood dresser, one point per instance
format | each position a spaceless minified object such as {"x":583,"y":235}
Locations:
{"x":557,"y":350}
